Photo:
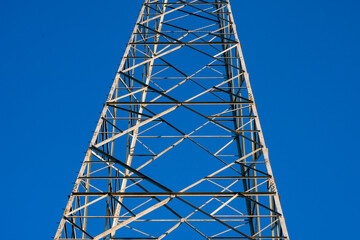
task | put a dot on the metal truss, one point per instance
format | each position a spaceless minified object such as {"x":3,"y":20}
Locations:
{"x":178,"y":151}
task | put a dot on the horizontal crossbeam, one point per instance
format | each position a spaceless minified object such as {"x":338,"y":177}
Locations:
{"x":178,"y":103}
{"x":180,"y":43}
{"x":174,"y":194}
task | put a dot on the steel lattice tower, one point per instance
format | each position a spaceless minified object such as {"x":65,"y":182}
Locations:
{"x":178,"y":151}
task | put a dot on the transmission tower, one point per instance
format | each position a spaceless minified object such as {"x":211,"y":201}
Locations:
{"x":178,"y":151}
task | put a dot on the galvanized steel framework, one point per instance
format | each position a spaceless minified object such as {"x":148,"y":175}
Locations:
{"x":182,"y":80}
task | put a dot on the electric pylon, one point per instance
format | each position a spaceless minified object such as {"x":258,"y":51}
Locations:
{"x":178,"y":151}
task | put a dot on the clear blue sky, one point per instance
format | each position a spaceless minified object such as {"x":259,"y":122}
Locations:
{"x":58,"y":59}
